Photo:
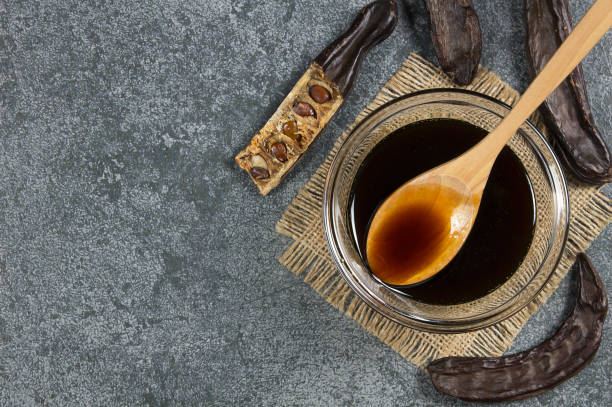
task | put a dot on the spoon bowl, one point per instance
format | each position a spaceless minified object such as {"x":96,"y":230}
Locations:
{"x":432,"y":215}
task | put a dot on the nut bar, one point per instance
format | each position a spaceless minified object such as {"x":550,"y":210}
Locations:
{"x":306,"y":110}
{"x":315,"y":98}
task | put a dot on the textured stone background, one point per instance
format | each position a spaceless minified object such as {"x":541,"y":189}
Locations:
{"x":138,"y":264}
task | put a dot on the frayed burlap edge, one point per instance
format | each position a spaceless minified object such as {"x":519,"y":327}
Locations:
{"x":308,"y":255}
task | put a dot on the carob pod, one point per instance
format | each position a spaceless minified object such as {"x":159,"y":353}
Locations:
{"x":342,"y":59}
{"x":566,"y":111}
{"x":539,"y":369}
{"x":456,"y":36}
{"x":315,"y":98}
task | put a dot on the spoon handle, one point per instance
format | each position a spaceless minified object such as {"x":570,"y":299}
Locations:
{"x":587,"y":33}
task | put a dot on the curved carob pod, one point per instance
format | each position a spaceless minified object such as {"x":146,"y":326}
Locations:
{"x":315,"y":98}
{"x":541,"y":368}
{"x":457,"y":37}
{"x":566,"y":111}
{"x":342,"y":59}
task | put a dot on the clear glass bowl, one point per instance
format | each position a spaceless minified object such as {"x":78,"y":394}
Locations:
{"x":551,"y":202}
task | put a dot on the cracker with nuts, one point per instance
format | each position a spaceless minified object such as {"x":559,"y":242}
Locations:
{"x":303,"y":114}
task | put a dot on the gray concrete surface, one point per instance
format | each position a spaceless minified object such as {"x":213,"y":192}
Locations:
{"x":138,"y":264}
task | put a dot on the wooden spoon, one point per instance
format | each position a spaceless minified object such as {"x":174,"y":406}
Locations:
{"x":421,"y":226}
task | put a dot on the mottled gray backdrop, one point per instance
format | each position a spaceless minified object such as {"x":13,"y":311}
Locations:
{"x":138,"y":263}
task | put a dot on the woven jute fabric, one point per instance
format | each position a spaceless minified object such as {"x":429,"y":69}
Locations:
{"x":308,"y":255}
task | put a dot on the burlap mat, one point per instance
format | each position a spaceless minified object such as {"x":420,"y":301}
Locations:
{"x":308,"y":255}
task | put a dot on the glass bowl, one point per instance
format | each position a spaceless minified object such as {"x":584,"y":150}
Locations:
{"x":551,"y":208}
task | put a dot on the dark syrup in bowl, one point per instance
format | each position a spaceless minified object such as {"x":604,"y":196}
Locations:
{"x":503,"y":229}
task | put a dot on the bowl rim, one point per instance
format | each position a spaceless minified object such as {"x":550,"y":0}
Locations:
{"x":459,"y":325}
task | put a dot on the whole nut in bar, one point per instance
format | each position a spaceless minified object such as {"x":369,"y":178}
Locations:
{"x":259,"y":173}
{"x":279,"y":151}
{"x":304,"y":109}
{"x":290,"y":129}
{"x":259,"y":169}
{"x":326,"y":83}
{"x":319,"y":94}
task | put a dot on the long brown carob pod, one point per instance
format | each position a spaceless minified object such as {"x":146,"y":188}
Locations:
{"x":315,"y":98}
{"x":456,"y":36}
{"x":541,"y":368}
{"x":566,"y":111}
